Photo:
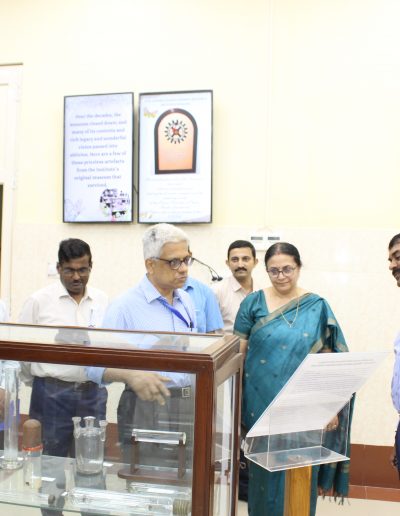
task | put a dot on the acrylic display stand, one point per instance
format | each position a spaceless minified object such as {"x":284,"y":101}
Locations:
{"x":307,"y":423}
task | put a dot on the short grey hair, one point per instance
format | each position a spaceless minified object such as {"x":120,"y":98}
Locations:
{"x":157,"y":236}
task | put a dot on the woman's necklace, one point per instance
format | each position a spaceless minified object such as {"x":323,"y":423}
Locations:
{"x":291,"y":323}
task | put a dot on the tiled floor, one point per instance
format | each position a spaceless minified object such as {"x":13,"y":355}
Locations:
{"x":351,"y":507}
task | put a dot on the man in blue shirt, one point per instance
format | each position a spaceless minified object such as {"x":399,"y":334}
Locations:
{"x":394,"y":267}
{"x":208,"y":315}
{"x":157,"y":303}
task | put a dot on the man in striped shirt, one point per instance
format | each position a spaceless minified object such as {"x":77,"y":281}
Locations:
{"x":157,"y":303}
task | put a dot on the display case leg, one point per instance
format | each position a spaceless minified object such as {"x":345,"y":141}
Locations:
{"x":297,"y":491}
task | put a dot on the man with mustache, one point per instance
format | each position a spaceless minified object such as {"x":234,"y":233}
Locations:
{"x":59,"y":391}
{"x":62,"y":391}
{"x":394,"y":267}
{"x":231,"y":291}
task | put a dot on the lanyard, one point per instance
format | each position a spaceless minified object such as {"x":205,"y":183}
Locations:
{"x":177,"y":313}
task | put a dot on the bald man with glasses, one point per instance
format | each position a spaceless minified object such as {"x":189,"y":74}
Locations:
{"x":156,"y":304}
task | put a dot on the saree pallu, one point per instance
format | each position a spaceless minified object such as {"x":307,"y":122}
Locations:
{"x":276,"y":347}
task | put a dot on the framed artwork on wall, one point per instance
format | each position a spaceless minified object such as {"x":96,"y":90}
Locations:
{"x":175,"y":157}
{"x":98,"y":158}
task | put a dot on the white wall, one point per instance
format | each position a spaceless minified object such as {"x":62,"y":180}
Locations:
{"x":306,"y":124}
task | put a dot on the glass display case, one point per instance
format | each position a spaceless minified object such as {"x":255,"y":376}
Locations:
{"x":117,"y":422}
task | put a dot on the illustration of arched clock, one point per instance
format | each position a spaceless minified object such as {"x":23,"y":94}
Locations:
{"x":175,"y":142}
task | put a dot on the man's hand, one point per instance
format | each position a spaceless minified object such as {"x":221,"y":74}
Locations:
{"x":147,"y":385}
{"x":2,"y":398}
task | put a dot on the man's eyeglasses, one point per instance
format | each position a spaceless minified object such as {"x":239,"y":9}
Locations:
{"x":83,"y":271}
{"x":176,"y":263}
{"x":285,"y":271}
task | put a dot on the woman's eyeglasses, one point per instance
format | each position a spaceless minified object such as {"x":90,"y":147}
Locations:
{"x":285,"y":271}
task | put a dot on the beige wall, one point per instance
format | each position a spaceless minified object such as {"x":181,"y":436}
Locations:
{"x":306,"y":125}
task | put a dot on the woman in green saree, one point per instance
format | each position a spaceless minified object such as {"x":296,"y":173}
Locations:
{"x":279,"y":326}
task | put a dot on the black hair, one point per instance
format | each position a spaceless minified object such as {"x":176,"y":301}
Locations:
{"x":239,"y":244}
{"x":73,"y":248}
{"x":395,"y":240}
{"x":283,"y":248}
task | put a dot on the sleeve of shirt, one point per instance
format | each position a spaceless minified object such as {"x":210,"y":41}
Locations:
{"x":29,"y":312}
{"x":213,"y":314}
{"x":396,"y":381}
{"x":244,"y":319}
{"x":95,"y":374}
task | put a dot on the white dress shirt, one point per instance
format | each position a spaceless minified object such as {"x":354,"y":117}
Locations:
{"x":53,"y":306}
{"x":230,"y":294}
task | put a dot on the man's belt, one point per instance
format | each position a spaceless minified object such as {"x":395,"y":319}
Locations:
{"x":181,"y":392}
{"x":175,"y":392}
{"x":78,"y":386}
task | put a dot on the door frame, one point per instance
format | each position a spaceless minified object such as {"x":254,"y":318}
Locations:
{"x":11,"y":79}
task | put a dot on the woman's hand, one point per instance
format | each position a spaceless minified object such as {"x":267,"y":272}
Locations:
{"x":393,"y":458}
{"x":333,"y":424}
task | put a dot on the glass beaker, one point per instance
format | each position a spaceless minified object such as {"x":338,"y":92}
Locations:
{"x":89,"y":445}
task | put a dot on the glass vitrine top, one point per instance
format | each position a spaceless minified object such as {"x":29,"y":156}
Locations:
{"x":187,"y":342}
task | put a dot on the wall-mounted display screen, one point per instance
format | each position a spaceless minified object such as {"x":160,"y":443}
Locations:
{"x":175,"y":157}
{"x":98,"y":158}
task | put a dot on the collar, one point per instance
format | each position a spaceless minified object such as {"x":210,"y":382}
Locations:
{"x":189,"y":284}
{"x":151,"y":293}
{"x":63,"y":292}
{"x":236,"y":286}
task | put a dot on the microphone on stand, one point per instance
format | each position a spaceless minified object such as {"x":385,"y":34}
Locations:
{"x":214,"y":274}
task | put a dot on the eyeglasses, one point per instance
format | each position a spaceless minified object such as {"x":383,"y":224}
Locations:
{"x":176,"y":263}
{"x":285,"y":271}
{"x":83,"y":271}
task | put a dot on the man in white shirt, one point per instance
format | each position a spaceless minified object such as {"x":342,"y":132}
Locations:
{"x":394,"y":267}
{"x":231,"y":291}
{"x":60,"y":392}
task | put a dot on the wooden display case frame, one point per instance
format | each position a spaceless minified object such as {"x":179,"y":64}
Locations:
{"x":212,"y":366}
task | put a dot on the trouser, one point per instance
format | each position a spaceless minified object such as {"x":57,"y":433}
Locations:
{"x":54,"y":402}
{"x":176,"y":415}
{"x":243,"y":477}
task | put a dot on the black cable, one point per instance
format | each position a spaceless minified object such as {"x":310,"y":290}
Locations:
{"x":214,"y":274}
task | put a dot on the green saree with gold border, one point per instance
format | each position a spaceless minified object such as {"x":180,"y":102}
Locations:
{"x":277,"y":344}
